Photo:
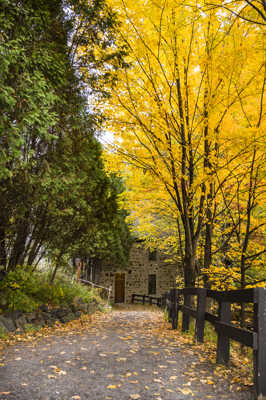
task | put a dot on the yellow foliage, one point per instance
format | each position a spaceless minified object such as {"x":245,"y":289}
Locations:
{"x":187,"y":117}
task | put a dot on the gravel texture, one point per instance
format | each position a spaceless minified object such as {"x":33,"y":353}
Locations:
{"x":119,"y":358}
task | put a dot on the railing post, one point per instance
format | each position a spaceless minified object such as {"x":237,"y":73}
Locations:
{"x":200,"y":319}
{"x":260,"y":351}
{"x":150,"y":301}
{"x":132,"y":298}
{"x":186,"y":317}
{"x":223,"y":342}
{"x":174,"y":309}
{"x":163,"y":300}
{"x":143,"y":299}
{"x":168,"y":305}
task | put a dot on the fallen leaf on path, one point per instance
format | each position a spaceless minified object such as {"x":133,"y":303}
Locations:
{"x":111,"y":387}
{"x":186,"y":391}
{"x":61,"y":372}
{"x":135,"y":396}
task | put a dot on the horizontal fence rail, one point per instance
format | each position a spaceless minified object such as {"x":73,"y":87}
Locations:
{"x":181,"y":300}
{"x":144,"y":299}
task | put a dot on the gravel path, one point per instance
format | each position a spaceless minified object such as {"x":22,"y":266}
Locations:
{"x":119,"y":358}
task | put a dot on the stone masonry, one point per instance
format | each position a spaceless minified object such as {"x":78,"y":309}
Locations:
{"x":141,"y":265}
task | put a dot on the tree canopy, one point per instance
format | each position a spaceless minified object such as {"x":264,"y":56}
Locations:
{"x":189,"y":118}
{"x":55,"y":196}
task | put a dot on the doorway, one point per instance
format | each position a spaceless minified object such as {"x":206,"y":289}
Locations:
{"x":119,"y":288}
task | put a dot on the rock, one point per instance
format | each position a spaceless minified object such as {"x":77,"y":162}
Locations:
{"x":78,"y":314}
{"x":49,"y":319}
{"x":31,"y":317}
{"x":92,"y":307}
{"x":44,"y":308}
{"x":8,"y":323}
{"x":16,"y":320}
{"x":61,"y":312}
{"x":20,"y":322}
{"x":39,"y":321}
{"x":68,"y":317}
{"x":83,"y":307}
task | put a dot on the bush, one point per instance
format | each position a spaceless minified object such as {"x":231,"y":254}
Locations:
{"x":24,"y":290}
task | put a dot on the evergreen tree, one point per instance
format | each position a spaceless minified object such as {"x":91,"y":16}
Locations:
{"x":53,"y":186}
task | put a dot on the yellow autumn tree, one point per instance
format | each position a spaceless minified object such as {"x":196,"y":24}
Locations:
{"x":173,"y":109}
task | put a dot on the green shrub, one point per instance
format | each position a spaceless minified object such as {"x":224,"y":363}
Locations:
{"x":25,"y":291}
{"x":18,"y":290}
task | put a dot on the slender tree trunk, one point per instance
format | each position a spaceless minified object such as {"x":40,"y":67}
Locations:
{"x":20,"y":243}
{"x":3,"y":257}
{"x":56,"y":267}
{"x":189,"y":264}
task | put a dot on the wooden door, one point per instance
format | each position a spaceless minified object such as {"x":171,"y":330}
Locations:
{"x":119,"y":288}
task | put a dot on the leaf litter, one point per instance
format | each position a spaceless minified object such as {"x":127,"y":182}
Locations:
{"x":150,"y":338}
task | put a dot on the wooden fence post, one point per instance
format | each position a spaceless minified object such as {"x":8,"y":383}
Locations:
{"x":200,"y":319}
{"x":260,"y":350}
{"x":186,"y":317}
{"x":223,"y":342}
{"x":150,"y":301}
{"x":168,"y":305}
{"x":133,"y":298}
{"x":143,"y":299}
{"x":174,"y":309}
{"x":163,"y":301}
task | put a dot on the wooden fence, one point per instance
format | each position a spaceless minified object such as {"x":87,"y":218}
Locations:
{"x":143,"y":298}
{"x":181,"y":300}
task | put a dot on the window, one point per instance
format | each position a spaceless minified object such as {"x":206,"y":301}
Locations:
{"x":153,"y":255}
{"x":152,"y":284}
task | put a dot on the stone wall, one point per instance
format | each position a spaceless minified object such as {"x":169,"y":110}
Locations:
{"x":137,"y":274}
{"x":17,"y":321}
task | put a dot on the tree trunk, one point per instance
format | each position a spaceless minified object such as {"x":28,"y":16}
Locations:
{"x":20,"y":243}
{"x":56,"y":267}
{"x":189,"y":269}
{"x":3,"y":257}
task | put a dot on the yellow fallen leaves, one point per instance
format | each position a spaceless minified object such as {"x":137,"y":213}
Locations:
{"x":56,"y":371}
{"x":186,"y":391}
{"x":135,"y":396}
{"x":111,"y":386}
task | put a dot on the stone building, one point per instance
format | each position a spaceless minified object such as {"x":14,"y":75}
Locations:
{"x":147,"y":273}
